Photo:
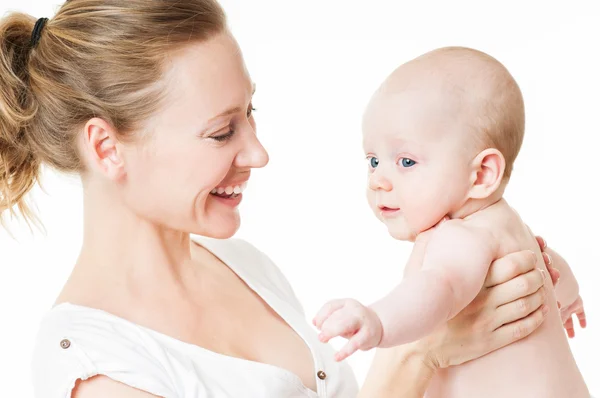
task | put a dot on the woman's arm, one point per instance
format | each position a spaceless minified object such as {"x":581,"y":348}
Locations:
{"x":508,"y":308}
{"x":102,"y":386}
{"x":404,"y":371}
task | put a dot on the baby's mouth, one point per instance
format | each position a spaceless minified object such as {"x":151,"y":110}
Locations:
{"x":388,"y":211}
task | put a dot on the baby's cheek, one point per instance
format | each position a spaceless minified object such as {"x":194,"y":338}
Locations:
{"x":371,"y":200}
{"x":428,"y":213}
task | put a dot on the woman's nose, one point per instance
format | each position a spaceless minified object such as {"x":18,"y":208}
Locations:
{"x":253,"y":154}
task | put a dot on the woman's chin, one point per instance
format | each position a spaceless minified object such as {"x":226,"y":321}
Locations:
{"x":222,"y":227}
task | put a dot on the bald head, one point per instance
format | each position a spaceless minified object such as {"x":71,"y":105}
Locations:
{"x":485,"y":95}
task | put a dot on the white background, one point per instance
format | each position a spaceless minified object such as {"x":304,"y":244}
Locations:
{"x":316,"y":63}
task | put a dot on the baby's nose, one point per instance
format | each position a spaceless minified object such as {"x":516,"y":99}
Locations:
{"x":378,"y":182}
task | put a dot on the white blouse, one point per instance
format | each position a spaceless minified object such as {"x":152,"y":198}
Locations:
{"x":76,"y":342}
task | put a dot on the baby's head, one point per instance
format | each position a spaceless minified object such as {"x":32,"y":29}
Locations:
{"x":441,"y":135}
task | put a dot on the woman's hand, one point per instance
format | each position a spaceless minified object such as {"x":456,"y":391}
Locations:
{"x":509,"y":307}
{"x":554,"y":272}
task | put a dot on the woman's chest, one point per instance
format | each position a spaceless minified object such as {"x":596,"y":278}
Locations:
{"x":235,"y":321}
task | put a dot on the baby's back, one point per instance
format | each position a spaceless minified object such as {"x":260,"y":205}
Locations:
{"x":540,"y":365}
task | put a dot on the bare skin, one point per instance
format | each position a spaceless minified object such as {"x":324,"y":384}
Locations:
{"x":134,"y":266}
{"x":546,"y":352}
{"x":430,"y":160}
{"x":143,"y":200}
{"x":401,"y":371}
{"x":213,"y":309}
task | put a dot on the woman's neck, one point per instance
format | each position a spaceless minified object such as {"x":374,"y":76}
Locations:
{"x":123,"y":249}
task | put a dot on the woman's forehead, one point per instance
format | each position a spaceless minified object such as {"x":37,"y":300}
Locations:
{"x":208,"y":77}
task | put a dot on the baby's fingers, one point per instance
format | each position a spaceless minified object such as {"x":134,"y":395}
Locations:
{"x":339,"y":324}
{"x":358,"y":342}
{"x":581,"y":317}
{"x":348,"y":349}
{"x":326,"y":311}
{"x":570,"y":328}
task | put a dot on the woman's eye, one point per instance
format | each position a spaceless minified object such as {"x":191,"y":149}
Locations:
{"x":250,"y":110}
{"x":373,"y":161}
{"x":406,"y":162}
{"x":224,"y":137}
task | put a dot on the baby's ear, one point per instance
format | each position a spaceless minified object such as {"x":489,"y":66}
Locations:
{"x":487,"y":173}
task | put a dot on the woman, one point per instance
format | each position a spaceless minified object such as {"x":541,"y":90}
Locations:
{"x":150,"y":102}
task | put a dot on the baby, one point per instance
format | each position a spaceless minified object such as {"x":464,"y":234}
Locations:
{"x":441,"y":135}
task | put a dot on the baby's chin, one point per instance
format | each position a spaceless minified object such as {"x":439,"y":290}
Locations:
{"x":401,"y":233}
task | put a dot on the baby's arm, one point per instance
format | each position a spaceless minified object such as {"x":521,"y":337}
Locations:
{"x":454,"y":267}
{"x":567,"y":288}
{"x":567,"y":293}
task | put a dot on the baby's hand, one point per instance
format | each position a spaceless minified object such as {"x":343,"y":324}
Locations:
{"x":351,"y":320}
{"x":566,"y":314}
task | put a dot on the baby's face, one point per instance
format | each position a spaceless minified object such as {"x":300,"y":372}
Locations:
{"x":418,"y":153}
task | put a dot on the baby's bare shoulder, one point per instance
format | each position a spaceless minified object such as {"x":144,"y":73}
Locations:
{"x":462,"y":234}
{"x":505,"y":227}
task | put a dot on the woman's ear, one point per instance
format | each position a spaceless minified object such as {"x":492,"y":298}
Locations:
{"x":487,"y":173}
{"x":102,"y":149}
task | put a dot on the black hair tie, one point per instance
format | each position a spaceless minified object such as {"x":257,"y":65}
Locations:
{"x":37,"y":31}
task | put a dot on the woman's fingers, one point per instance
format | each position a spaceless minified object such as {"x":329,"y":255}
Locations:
{"x":517,"y":330}
{"x":516,"y":288}
{"x":510,"y":266}
{"x":518,"y":309}
{"x":541,"y":242}
{"x":554,"y":273}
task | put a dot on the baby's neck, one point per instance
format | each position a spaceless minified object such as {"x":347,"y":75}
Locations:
{"x":472,"y":206}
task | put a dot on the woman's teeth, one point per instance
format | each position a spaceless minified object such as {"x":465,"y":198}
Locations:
{"x":229,"y":190}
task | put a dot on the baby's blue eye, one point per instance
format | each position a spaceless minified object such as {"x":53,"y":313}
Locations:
{"x":406,"y":162}
{"x":373,"y":161}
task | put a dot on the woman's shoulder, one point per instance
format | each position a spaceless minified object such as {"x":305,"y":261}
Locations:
{"x":76,"y":343}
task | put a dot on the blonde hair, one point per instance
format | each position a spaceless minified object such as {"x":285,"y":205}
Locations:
{"x":500,"y":114}
{"x":95,"y":58}
{"x":498,"y":107}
